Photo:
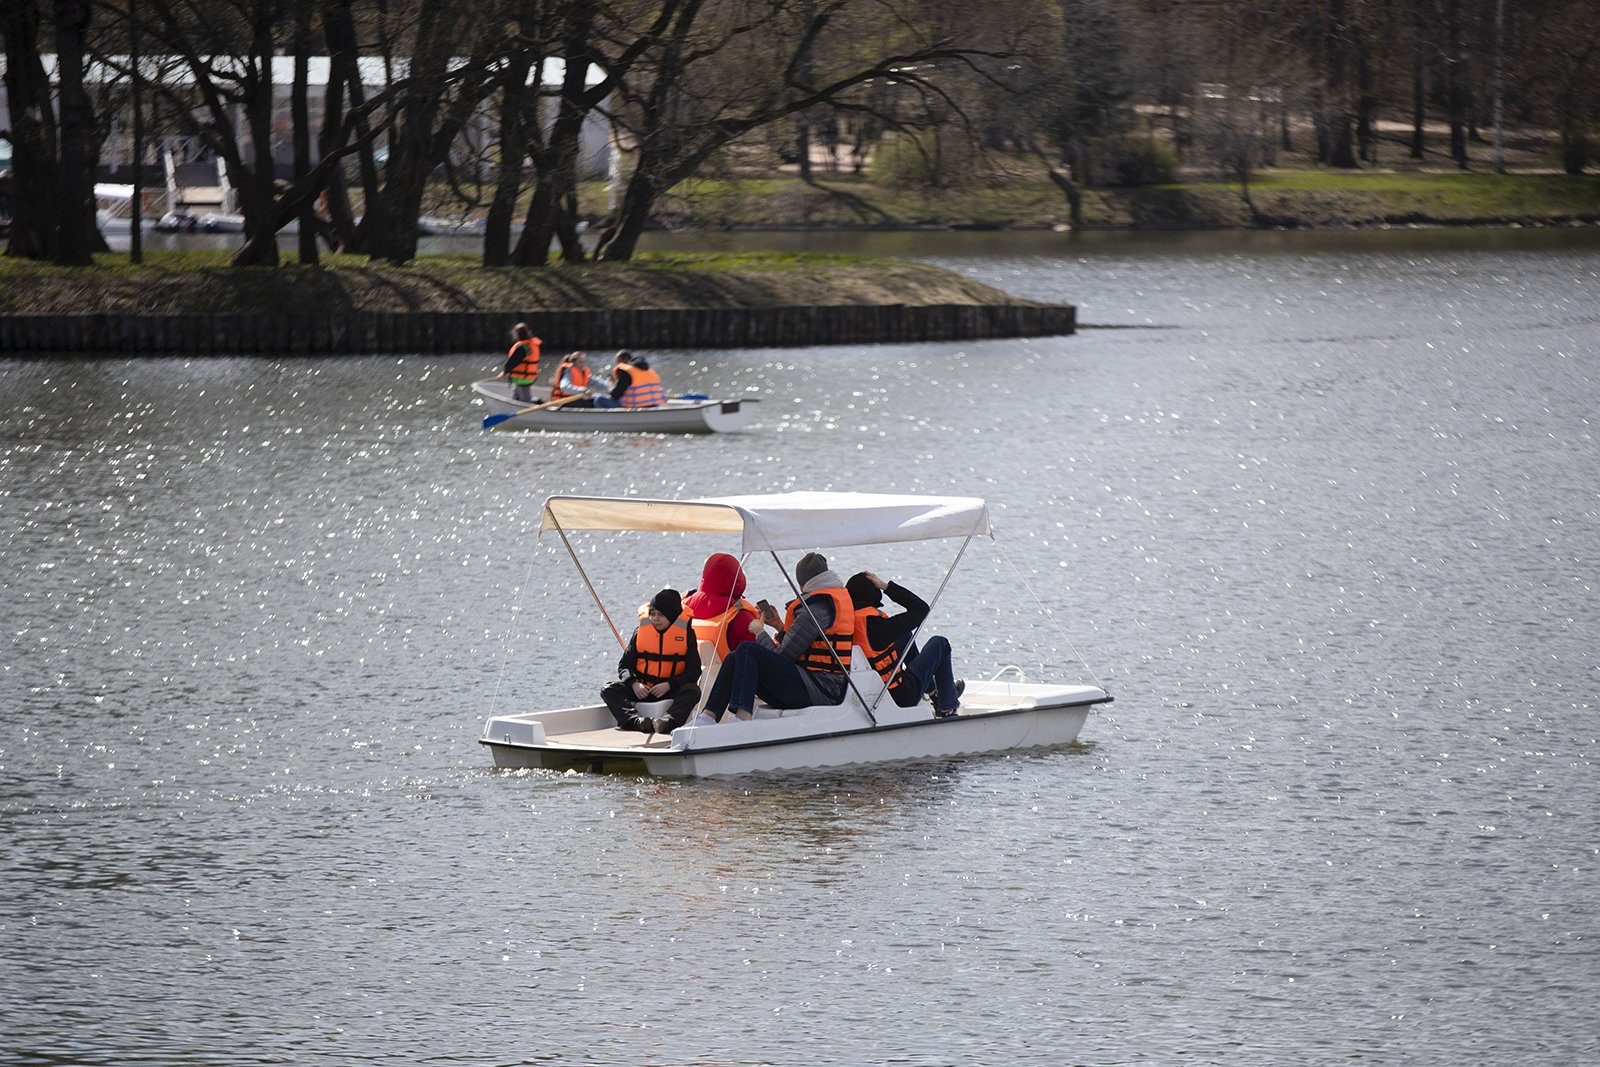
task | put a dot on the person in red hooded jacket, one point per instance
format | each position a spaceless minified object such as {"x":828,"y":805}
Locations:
{"x":721,"y":614}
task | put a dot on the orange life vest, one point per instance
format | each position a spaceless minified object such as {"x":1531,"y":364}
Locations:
{"x":580,"y":380}
{"x":715,"y":628}
{"x":644,"y":387}
{"x":819,"y":655}
{"x":525,"y":370}
{"x":882,"y":662}
{"x":662,"y":655}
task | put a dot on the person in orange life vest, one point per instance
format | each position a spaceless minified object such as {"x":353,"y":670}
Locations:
{"x":886,"y":638}
{"x":572,"y":379}
{"x":809,"y":663}
{"x":721,"y":614}
{"x":522,"y":362}
{"x":635,"y":385}
{"x":661,"y":661}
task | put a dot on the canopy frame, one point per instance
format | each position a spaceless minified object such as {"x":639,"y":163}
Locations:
{"x":919,"y":518}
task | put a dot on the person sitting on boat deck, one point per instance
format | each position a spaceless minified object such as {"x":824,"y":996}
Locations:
{"x":522,"y":362}
{"x":635,"y":385}
{"x":886,"y":639}
{"x":662,"y":661}
{"x":721,"y":614}
{"x":809,"y":663}
{"x":572,"y":379}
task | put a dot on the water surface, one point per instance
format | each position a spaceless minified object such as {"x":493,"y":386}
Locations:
{"x":1319,"y":511}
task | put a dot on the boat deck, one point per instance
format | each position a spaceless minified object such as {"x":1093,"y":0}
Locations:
{"x":609,"y":737}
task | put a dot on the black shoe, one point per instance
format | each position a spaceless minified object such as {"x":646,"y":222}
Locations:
{"x":663,"y":725}
{"x":952,"y":713}
{"x":644,"y":725}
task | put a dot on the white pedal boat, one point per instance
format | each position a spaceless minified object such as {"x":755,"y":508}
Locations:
{"x":868,"y":727}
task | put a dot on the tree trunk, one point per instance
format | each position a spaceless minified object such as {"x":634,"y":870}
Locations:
{"x":341,"y":219}
{"x":621,"y":239}
{"x":307,"y":238}
{"x":136,"y":205}
{"x":1455,"y":83}
{"x":1499,"y":85}
{"x":343,"y":53}
{"x":255,"y":181}
{"x":1063,"y":181}
{"x":79,"y":233}
{"x":1366,"y":107}
{"x":35,"y":169}
{"x":515,"y":103}
{"x":556,"y":160}
{"x":1419,"y":94}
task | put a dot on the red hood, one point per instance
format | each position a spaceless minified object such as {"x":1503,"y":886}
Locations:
{"x":721,"y":583}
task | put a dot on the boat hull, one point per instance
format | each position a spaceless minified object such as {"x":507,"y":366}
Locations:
{"x":808,"y":739}
{"x":675,"y":416}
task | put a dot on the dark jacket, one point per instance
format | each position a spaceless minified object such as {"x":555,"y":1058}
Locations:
{"x":896,"y":630}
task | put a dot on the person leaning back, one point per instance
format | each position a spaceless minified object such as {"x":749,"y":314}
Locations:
{"x":887,"y":639}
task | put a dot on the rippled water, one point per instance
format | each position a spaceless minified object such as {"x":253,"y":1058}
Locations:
{"x":1320,"y":511}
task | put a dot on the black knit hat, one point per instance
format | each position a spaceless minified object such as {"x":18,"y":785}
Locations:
{"x":863,"y":594}
{"x":668,"y":602}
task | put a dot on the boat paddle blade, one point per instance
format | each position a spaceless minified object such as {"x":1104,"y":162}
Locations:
{"x":496,"y":420}
{"x":693,"y":396}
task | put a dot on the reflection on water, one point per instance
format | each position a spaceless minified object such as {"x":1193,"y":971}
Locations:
{"x":1326,"y":535}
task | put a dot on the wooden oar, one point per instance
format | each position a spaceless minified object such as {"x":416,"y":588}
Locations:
{"x":496,"y":420}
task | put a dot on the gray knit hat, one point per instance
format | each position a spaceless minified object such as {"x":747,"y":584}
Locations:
{"x":811,"y":564}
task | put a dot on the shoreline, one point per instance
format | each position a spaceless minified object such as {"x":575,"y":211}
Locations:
{"x":461,"y":333}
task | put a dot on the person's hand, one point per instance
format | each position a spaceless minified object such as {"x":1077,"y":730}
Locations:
{"x":769,"y":615}
{"x":640,"y":690}
{"x":644,"y":611}
{"x":875,"y":580}
{"x":756,"y":627}
{"x":659,"y":690}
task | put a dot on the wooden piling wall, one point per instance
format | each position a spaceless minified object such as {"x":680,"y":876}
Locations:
{"x":397,"y":333}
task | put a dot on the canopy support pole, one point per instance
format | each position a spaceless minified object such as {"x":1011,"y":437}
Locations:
{"x":585,"y":576}
{"x":845,"y":667}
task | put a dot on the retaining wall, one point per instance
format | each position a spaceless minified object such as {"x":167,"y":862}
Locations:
{"x":393,"y":333}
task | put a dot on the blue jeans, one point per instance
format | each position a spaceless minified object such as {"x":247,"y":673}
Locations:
{"x":605,"y":402}
{"x":929,"y":670}
{"x":754,"y":671}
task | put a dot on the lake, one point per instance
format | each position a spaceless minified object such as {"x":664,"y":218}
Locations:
{"x":1320,"y":510}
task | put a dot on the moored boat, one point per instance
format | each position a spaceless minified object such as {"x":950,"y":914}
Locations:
{"x":682,"y":414}
{"x":867,"y":727}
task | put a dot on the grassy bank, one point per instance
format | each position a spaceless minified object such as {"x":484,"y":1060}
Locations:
{"x":1309,"y":199}
{"x":201,"y":282}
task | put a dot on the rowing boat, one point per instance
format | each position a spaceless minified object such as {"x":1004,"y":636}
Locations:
{"x":683,"y":414}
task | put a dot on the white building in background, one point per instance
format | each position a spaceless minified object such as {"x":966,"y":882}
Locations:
{"x":195,"y":180}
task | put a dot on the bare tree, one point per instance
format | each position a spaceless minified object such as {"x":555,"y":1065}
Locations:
{"x":54,"y":136}
{"x":722,"y":69}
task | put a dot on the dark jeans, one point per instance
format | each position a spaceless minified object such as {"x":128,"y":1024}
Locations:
{"x":929,"y":669}
{"x":753,"y":671}
{"x":620,"y":702}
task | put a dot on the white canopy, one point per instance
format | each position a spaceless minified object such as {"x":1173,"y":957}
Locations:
{"x":783,"y":520}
